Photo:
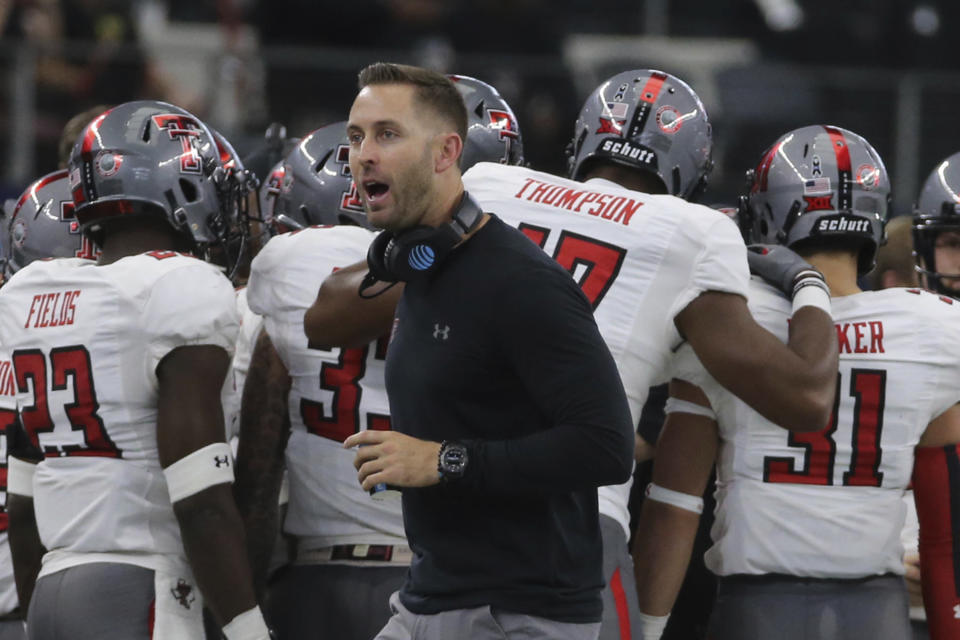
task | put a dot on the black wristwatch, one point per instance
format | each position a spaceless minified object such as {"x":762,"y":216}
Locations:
{"x":452,"y":460}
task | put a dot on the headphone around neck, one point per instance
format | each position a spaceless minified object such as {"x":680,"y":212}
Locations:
{"x":414,"y":253}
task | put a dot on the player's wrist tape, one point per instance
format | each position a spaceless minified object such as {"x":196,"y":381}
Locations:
{"x":213,"y":464}
{"x":652,"y":627}
{"x":810,"y":290}
{"x":676,"y":405}
{"x":248,"y":625}
{"x":20,"y":477}
{"x":680,"y":500}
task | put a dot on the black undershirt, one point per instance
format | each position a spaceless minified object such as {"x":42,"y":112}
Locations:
{"x":500,"y":349}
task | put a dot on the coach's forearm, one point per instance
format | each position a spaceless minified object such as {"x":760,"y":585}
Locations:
{"x":561,"y":459}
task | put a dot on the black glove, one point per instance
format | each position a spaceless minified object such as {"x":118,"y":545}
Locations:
{"x":783,"y":268}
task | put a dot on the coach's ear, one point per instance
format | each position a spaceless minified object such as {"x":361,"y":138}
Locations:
{"x":450,"y":146}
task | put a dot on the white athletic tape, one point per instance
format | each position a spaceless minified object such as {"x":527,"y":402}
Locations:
{"x":651,"y":627}
{"x":811,"y":292}
{"x":20,"y":476}
{"x":676,"y":405}
{"x":683,"y":501}
{"x":248,"y":625}
{"x":213,"y":464}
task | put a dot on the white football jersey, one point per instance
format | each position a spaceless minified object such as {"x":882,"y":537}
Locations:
{"x":639,"y":258}
{"x":334,"y":392}
{"x":250,"y":326}
{"x":828,"y":504}
{"x":85,"y":342}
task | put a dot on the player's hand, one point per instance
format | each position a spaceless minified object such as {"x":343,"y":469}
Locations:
{"x":395,"y":459}
{"x":911,"y":565}
{"x":782,"y":268}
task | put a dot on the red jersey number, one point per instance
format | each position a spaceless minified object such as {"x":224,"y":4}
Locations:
{"x":343,"y":379}
{"x":600,"y":261}
{"x":70,"y":368}
{"x":868,"y":388}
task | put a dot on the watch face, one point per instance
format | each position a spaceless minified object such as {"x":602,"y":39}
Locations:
{"x":454,"y":459}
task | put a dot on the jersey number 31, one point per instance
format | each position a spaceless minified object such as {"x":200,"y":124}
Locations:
{"x":868,"y":388}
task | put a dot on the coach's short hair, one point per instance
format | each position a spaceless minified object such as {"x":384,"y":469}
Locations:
{"x":432,"y":89}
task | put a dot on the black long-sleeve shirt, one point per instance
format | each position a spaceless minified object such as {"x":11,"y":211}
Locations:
{"x":500,"y":349}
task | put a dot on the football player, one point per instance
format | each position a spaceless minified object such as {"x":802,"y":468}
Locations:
{"x":936,"y":229}
{"x":654,"y":265}
{"x":658,"y":270}
{"x":807,"y":534}
{"x":118,"y":366}
{"x":351,"y":549}
{"x":39,"y":224}
{"x":316,"y":397}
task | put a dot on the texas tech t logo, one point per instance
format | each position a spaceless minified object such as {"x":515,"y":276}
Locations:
{"x":507,"y":129}
{"x":187,"y":130}
{"x":87,"y":249}
{"x":349,"y":200}
{"x":503,"y":121}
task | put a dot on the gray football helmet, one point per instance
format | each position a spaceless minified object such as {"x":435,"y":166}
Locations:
{"x":937,"y":210}
{"x":317,"y":186}
{"x":149,"y":158}
{"x":493,"y":133}
{"x":820,"y":182}
{"x":647,"y":120}
{"x":41,"y":224}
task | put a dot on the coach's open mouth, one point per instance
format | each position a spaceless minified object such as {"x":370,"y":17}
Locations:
{"x":375,"y":191}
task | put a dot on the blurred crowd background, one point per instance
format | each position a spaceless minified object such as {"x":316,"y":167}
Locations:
{"x":886,"y":69}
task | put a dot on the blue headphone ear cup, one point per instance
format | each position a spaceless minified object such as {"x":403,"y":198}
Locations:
{"x":417,"y":252}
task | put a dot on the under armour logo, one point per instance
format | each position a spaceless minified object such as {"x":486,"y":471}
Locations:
{"x":221,"y":461}
{"x":183,"y":593}
{"x":441,"y":334}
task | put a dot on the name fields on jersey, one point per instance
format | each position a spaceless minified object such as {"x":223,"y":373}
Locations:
{"x":604,"y":205}
{"x":53,"y":309}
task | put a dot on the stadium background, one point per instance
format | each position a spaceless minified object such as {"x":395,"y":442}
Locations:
{"x":887,"y":69}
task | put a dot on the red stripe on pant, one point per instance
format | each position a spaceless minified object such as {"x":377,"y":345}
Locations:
{"x":151,"y":617}
{"x":936,"y":487}
{"x":620,"y":598}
